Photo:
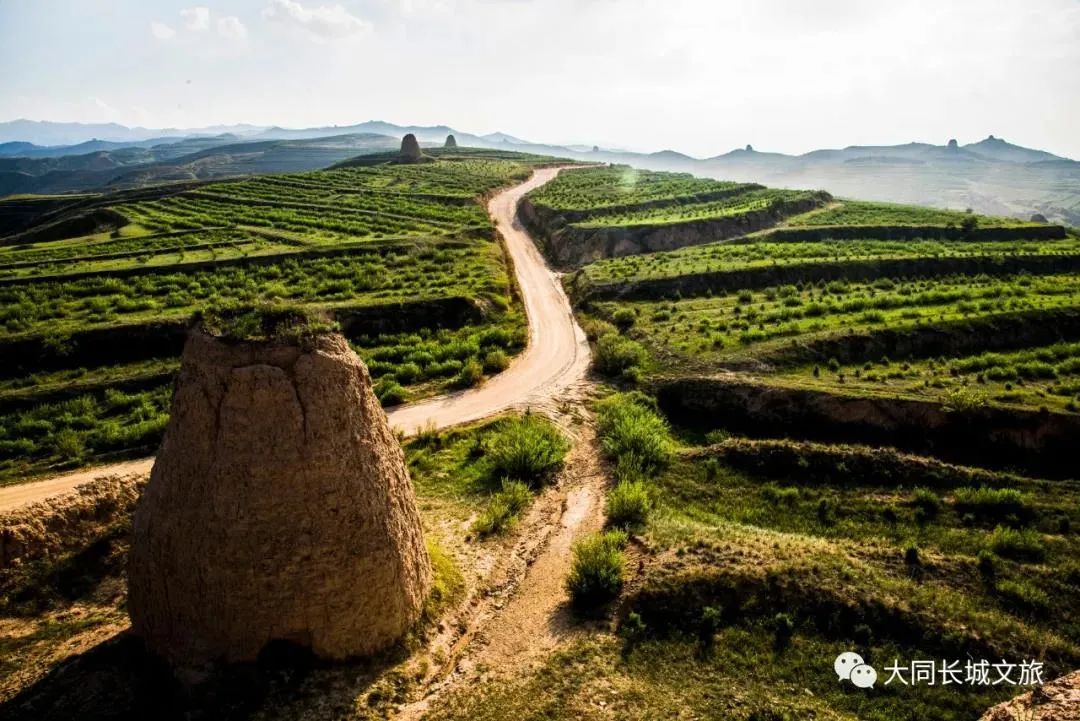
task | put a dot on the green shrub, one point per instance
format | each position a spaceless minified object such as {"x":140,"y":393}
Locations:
{"x":780,"y":496}
{"x":390,"y":393}
{"x":783,"y":631}
{"x":1019,"y":545}
{"x":624,"y":318}
{"x":709,"y":625}
{"x":596,"y":572}
{"x":528,"y":449}
{"x":503,"y":508}
{"x":496,"y":361}
{"x":927,"y":502}
{"x":994,"y":503}
{"x":69,"y":445}
{"x":1024,"y":595}
{"x":628,"y":504}
{"x":595,"y":328}
{"x":632,"y":432}
{"x":471,"y":374}
{"x":614,"y":354}
{"x":632,"y":628}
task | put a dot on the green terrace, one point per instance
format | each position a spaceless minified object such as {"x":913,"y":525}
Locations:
{"x":739,"y":255}
{"x":325,"y":223}
{"x":857,"y":212}
{"x":611,"y":187}
{"x":1044,"y":376}
{"x":403,"y":256}
{"x":758,"y":562}
{"x":58,"y":306}
{"x":734,"y":205}
{"x":64,"y":418}
{"x":201,"y":246}
{"x":702,"y":331}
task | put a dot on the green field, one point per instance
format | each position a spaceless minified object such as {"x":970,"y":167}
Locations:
{"x":697,"y":331}
{"x":612,"y":187}
{"x":342,"y":240}
{"x":739,"y":204}
{"x":1042,"y":377}
{"x":721,"y":257}
{"x":855,"y":212}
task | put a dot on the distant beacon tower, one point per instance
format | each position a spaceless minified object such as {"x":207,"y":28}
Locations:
{"x":451,"y":142}
{"x":749,"y":148}
{"x":410,"y":148}
{"x":953,"y":145}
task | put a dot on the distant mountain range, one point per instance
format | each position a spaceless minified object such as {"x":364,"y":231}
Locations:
{"x":990,"y":176}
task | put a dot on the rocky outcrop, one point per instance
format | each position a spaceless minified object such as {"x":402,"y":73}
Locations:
{"x":279,"y":508}
{"x":1058,"y":700}
{"x":451,"y":142}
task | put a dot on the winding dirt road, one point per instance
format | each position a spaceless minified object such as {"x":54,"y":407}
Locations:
{"x":553,"y":364}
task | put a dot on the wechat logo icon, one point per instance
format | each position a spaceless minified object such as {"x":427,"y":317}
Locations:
{"x":850,"y":666}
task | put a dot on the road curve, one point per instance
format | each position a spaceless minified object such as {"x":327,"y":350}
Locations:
{"x":557,"y":355}
{"x":555,"y":360}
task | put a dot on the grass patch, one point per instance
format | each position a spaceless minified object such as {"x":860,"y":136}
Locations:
{"x":596,"y":572}
{"x":633,"y":434}
{"x":528,"y":449}
{"x":503,"y":508}
{"x":1019,"y":545}
{"x":628,"y":504}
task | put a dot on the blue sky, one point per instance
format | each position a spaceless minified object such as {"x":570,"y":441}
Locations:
{"x":699,"y":76}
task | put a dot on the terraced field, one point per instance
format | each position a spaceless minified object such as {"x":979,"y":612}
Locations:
{"x":615,"y":211}
{"x":852,"y":429}
{"x":750,"y":323}
{"x":623,"y":187}
{"x":404,"y":257}
{"x":854,"y":212}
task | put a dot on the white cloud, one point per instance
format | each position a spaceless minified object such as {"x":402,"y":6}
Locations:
{"x":196,"y":18}
{"x":325,"y":21}
{"x":161,"y":31}
{"x":231,"y":28}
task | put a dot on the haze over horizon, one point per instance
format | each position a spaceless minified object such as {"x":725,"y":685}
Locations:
{"x":700,"y":78}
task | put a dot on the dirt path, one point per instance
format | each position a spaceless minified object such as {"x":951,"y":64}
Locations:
{"x":553,"y":364}
{"x":523,"y":612}
{"x":25,"y":493}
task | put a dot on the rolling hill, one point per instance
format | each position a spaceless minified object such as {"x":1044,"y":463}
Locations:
{"x":990,"y":176}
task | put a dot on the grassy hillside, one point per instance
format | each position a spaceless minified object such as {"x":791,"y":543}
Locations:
{"x":758,"y":555}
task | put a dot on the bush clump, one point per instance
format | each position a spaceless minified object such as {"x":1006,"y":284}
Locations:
{"x":998,"y":504}
{"x":264,"y":322}
{"x":503,"y":508}
{"x":1018,"y":545}
{"x":390,"y":393}
{"x":633,"y":434}
{"x":616,"y":355}
{"x":596,"y":573}
{"x":528,"y":449}
{"x":926,"y":503}
{"x":628,"y":504}
{"x":471,"y":373}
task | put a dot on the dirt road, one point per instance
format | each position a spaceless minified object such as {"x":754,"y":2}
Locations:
{"x":552,"y":365}
{"x":557,"y":355}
